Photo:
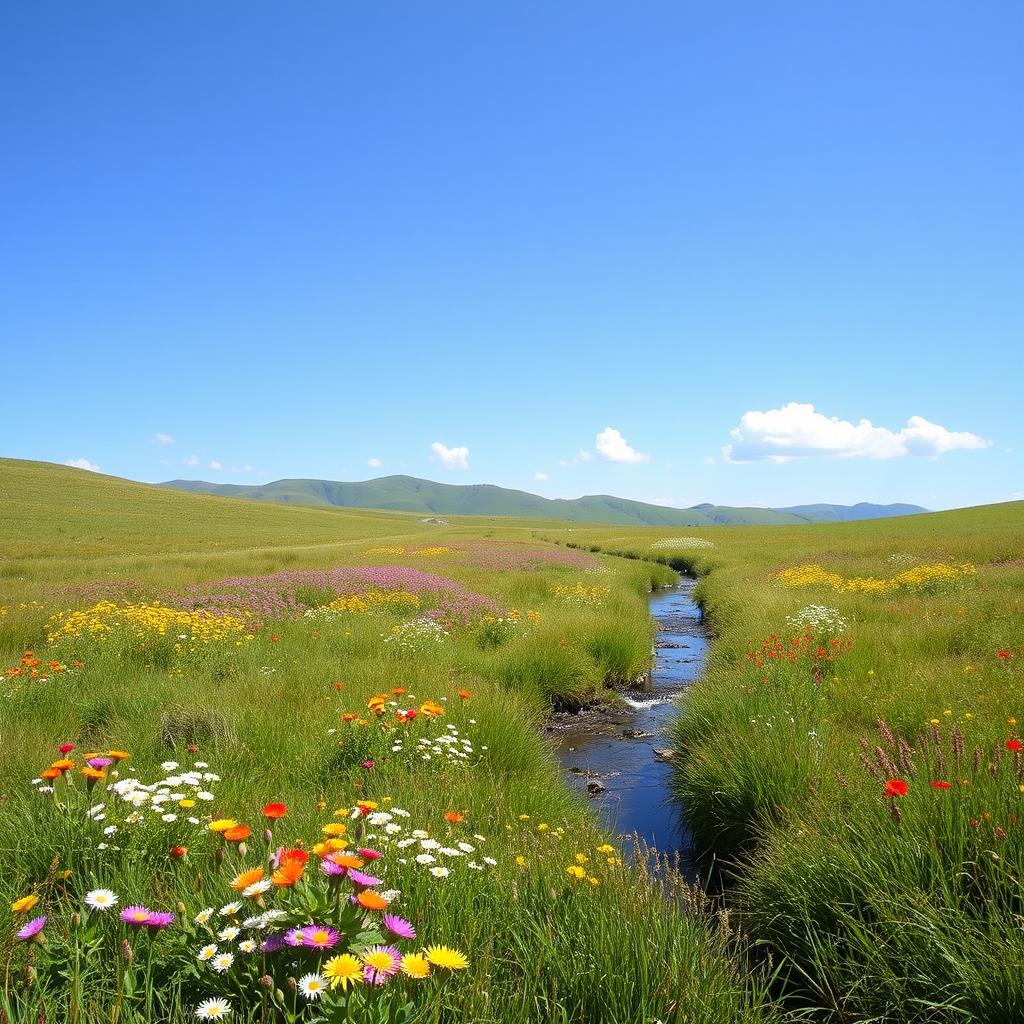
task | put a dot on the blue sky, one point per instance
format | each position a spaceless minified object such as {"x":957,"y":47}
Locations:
{"x":297,"y":239}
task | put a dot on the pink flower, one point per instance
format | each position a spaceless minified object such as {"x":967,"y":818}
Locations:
{"x":32,"y":929}
{"x":399,"y":926}
{"x":359,"y":878}
{"x":136,"y":915}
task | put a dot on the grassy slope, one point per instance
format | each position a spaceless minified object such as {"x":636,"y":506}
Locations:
{"x":261,"y":715}
{"x":896,"y":920}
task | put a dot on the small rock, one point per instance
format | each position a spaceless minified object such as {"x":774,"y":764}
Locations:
{"x":594,"y":787}
{"x":636,"y":734}
{"x":665,"y":754}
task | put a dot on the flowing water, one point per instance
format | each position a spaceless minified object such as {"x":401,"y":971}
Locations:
{"x":619,"y":753}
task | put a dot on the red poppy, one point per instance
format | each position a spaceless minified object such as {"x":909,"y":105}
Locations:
{"x":177,"y":852}
{"x":1004,"y":654}
{"x":274,"y":811}
{"x":896,"y":787}
{"x":1014,"y":745}
{"x":939,"y":784}
{"x":66,"y":748}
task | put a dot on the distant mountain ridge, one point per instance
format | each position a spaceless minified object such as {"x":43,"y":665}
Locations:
{"x":427,"y":497}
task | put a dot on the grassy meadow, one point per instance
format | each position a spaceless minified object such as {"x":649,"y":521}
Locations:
{"x":849,"y":765}
{"x":382,"y":679}
{"x":850,"y":760}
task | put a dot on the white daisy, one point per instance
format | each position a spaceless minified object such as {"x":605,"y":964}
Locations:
{"x":257,"y":888}
{"x":311,"y":985}
{"x":222,"y":961}
{"x":227,"y":934}
{"x":213,"y":1009}
{"x":100,"y":899}
{"x":203,"y":916}
{"x":439,"y":872}
{"x":425,"y":858}
{"x":247,"y":945}
{"x":230,"y":909}
{"x":169,"y":766}
{"x":206,"y":953}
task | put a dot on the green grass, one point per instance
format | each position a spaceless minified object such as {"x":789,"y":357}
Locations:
{"x":267,"y":718}
{"x":872,"y":918}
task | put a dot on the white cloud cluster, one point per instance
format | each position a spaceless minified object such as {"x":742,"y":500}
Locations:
{"x":541,"y":476}
{"x":163,"y":439}
{"x":83,"y":464}
{"x":450,"y":458}
{"x":374,"y":463}
{"x":192,"y":460}
{"x":214,"y":464}
{"x":581,"y":456}
{"x":797,"y":431}
{"x":611,"y":445}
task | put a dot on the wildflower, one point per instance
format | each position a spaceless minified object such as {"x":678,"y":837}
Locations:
{"x":334,"y":828}
{"x":160,"y":919}
{"x":135,"y":915}
{"x":399,"y":926}
{"x":939,"y":784}
{"x":575,"y":871}
{"x":229,"y":933}
{"x":230,"y":909}
{"x":312,"y":985}
{"x":246,"y":878}
{"x":319,"y":937}
{"x":896,"y":787}
{"x":247,"y":946}
{"x":415,"y":965}
{"x":237,"y":833}
{"x":342,"y":971}
{"x":222,"y":824}
{"x":1014,"y":745}
{"x":206,"y":953}
{"x":360,"y":878}
{"x":465,"y":694}
{"x":100,"y":899}
{"x":32,"y":930}
{"x":257,"y":889}
{"x":222,"y":962}
{"x":381,"y":963}
{"x":203,"y":916}
{"x":369,"y":900}
{"x":66,"y":748}
{"x":454,"y":817}
{"x":213,"y":1009}
{"x":444,"y":956}
{"x":288,"y":873}
{"x":439,"y":872}
{"x":274,"y":811}
{"x":25,"y":904}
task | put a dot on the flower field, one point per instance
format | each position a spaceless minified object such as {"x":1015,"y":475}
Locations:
{"x":274,"y":770}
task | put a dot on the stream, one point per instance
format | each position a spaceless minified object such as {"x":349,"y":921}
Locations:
{"x":617,"y":752}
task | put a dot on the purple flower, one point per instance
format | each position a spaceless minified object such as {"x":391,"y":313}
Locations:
{"x":32,"y":929}
{"x":399,"y":926}
{"x":100,"y":762}
{"x":272,"y":943}
{"x":317,"y":936}
{"x":332,"y":870}
{"x":136,"y":915}
{"x":160,"y":919}
{"x":359,"y":878}
{"x":295,"y":936}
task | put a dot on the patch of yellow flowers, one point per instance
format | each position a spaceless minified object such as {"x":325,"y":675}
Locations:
{"x":146,"y":622}
{"x":920,"y":578}
{"x":385,"y":549}
{"x":376,"y":600}
{"x":580,"y":593}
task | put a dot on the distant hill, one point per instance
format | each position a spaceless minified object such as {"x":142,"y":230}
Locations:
{"x":426,"y":497}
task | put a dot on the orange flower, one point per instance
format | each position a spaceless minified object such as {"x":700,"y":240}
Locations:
{"x":288,"y":873}
{"x":347,"y":860}
{"x":274,"y":811}
{"x":454,"y":817}
{"x":118,"y":755}
{"x":92,"y":773}
{"x":431,"y":709}
{"x":246,"y":878}
{"x":237,"y":834}
{"x":371,"y":900}
{"x":63,"y":764}
{"x":349,"y":716}
{"x":465,"y":694}
{"x":398,"y":691}
{"x":366,"y":805}
{"x":54,"y":773}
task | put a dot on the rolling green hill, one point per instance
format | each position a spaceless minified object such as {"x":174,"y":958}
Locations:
{"x":426,"y":497}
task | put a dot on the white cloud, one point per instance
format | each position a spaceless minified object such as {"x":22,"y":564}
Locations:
{"x":796,"y":431}
{"x":374,"y":463}
{"x":541,"y":476}
{"x":192,"y":460}
{"x":611,"y":445}
{"x":450,"y":458}
{"x":214,"y":464}
{"x":163,"y":439}
{"x":83,"y":464}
